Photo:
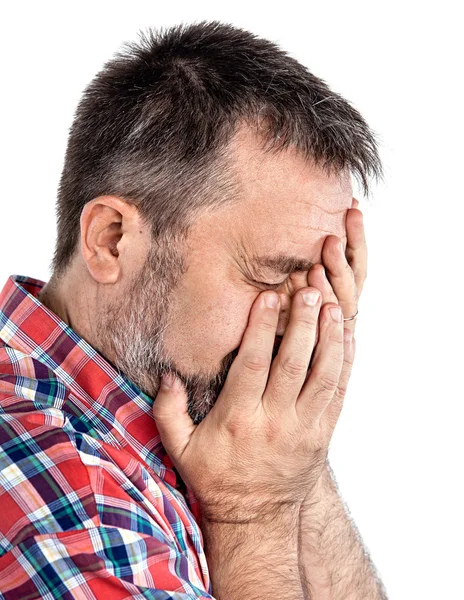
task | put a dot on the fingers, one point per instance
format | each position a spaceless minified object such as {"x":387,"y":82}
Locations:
{"x":248,"y":374}
{"x":356,"y":247}
{"x":170,"y":411}
{"x":341,"y":277}
{"x":327,"y":363}
{"x":334,"y":408}
{"x":317,"y":278}
{"x":289,"y":369}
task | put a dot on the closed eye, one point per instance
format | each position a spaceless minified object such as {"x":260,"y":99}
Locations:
{"x":272,"y":286}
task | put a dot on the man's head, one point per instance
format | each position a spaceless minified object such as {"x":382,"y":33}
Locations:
{"x":191,"y":155}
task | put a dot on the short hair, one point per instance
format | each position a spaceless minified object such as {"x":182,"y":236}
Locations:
{"x":153,"y":127}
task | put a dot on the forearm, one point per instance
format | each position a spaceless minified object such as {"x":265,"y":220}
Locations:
{"x":255,"y":561}
{"x":334,"y":562}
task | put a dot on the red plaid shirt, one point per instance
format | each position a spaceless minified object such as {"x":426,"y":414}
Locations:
{"x":90,"y":504}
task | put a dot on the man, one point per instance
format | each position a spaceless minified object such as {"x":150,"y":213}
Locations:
{"x":204,"y":168}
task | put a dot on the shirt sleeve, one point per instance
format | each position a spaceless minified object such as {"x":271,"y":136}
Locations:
{"x":98,"y":563}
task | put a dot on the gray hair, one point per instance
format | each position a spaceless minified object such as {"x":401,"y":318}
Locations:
{"x":153,"y":127}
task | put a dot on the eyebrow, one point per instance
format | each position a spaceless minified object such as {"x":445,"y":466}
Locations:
{"x":281,"y":263}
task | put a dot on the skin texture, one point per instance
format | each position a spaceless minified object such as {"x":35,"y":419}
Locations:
{"x":118,"y":297}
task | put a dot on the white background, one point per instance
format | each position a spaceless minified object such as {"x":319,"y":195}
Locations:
{"x":397,"y":449}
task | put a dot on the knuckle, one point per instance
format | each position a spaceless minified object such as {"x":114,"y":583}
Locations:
{"x":348,"y":363}
{"x":326,"y":381}
{"x":309,"y":319}
{"x":293,"y":367}
{"x":334,"y":338}
{"x":342,"y":388}
{"x":256,"y":362}
{"x":267,"y":327}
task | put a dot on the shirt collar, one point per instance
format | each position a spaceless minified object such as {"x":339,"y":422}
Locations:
{"x":107,"y":397}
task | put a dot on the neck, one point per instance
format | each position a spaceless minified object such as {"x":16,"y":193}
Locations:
{"x":63,"y":299}
{"x":51,"y":298}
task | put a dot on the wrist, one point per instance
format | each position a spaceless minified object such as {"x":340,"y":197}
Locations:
{"x":258,"y":556}
{"x":320,"y":489}
{"x":254,"y":514}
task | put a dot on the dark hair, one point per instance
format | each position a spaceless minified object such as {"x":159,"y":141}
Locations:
{"x":153,"y":127}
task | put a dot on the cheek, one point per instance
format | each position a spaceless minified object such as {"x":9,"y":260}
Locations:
{"x":227,"y":320}
{"x":209,"y":329}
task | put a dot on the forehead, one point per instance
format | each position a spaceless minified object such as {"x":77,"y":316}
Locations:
{"x":288,"y":205}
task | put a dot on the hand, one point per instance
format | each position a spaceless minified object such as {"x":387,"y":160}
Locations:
{"x":264,"y":443}
{"x":340,"y":280}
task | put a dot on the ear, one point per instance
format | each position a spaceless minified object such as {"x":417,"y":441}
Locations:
{"x":107,"y":223}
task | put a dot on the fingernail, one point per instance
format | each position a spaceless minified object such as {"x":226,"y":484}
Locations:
{"x":336,"y":313}
{"x":271,"y":300}
{"x":310,"y":298}
{"x":167,"y":380}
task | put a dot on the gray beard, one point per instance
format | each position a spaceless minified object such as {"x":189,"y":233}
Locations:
{"x":132,"y":334}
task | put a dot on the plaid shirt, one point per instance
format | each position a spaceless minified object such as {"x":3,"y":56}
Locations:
{"x":91,"y":506}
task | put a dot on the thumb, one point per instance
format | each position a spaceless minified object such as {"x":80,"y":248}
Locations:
{"x":172,"y":419}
